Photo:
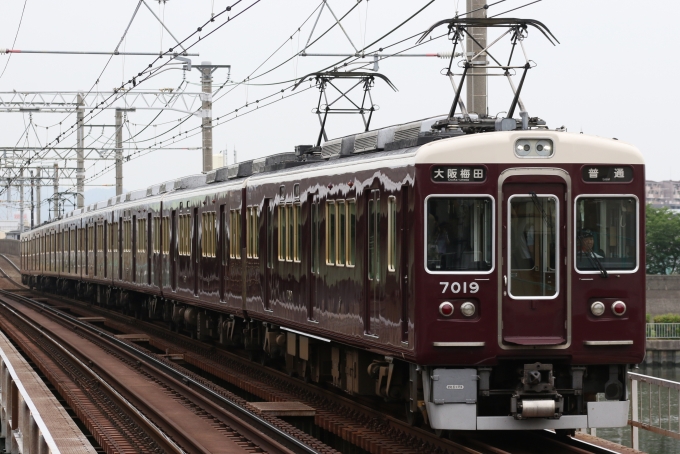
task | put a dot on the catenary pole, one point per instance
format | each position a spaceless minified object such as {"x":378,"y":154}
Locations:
{"x":477,"y":82}
{"x":80,"y":156}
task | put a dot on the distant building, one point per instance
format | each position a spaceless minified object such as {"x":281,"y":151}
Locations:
{"x":663,"y":194}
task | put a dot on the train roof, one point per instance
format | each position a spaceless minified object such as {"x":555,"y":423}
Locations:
{"x":415,"y":142}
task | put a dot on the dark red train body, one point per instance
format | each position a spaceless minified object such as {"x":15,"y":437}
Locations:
{"x":485,"y":284}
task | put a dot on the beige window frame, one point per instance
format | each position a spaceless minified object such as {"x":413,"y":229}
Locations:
{"x":341,"y":232}
{"x":127,"y":236}
{"x":90,"y":238}
{"x":142,"y":235}
{"x":283,"y":236}
{"x":100,"y":237}
{"x":208,"y":235}
{"x":351,"y":232}
{"x":297,"y":245}
{"x":113,"y":237}
{"x":184,"y":242}
{"x":253,"y":230}
{"x":156,"y":234}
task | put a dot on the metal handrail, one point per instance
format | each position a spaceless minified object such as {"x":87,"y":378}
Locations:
{"x":653,"y":420}
{"x":663,"y":330}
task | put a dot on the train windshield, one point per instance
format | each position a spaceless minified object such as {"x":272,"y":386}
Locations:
{"x":606,"y":230}
{"x":459,"y":234}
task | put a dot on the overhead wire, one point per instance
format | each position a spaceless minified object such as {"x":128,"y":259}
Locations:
{"x":21,"y":19}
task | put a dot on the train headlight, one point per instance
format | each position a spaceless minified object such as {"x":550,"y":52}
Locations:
{"x":523,"y":147}
{"x":446,"y":309}
{"x":619,"y":308}
{"x":597,"y":308}
{"x":467,"y":309}
{"x":544,"y":147}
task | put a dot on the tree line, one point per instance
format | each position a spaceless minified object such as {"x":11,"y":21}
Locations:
{"x":663,"y":241}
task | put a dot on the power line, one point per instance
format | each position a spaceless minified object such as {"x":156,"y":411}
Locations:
{"x":15,"y":38}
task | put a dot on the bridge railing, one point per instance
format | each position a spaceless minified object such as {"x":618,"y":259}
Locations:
{"x":663,"y":330}
{"x":656,"y":410}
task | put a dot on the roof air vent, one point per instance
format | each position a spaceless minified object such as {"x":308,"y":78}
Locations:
{"x":331,"y":148}
{"x":367,"y":141}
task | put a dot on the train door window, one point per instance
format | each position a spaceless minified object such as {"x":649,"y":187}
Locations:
{"x":90,"y":238}
{"x":100,"y":237}
{"x":606,"y":234}
{"x":270,"y":235}
{"x":61,"y":249}
{"x":127,"y":236}
{"x":156,"y":234}
{"x":374,"y":236}
{"x":165,"y":241}
{"x":113,"y":237}
{"x":351,"y":232}
{"x":225,"y":237}
{"x":208,"y":234}
{"x":73,"y":247}
{"x":459,"y":234}
{"x":341,"y":219}
{"x":290,"y":243}
{"x":533,"y":245}
{"x":141,"y":235}
{"x":297,"y":211}
{"x":283,"y":224}
{"x":255,"y":232}
{"x":331,"y":227}
{"x":235,"y":237}
{"x":183,"y":239}
{"x":391,"y":233}
{"x":315,"y":237}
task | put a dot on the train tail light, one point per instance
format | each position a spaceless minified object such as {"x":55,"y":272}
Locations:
{"x":467,"y":309}
{"x":597,"y":308}
{"x":446,"y":309}
{"x":619,"y":308}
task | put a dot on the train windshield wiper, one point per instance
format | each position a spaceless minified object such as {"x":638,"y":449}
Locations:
{"x":592,"y":257}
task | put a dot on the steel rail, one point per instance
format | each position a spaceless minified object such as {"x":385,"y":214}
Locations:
{"x":154,"y":431}
{"x":249,"y":416}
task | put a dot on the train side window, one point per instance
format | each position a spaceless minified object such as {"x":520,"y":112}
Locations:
{"x":184,"y":236}
{"x":100,"y":237}
{"x":341,"y":229}
{"x":127,"y":236}
{"x":330,"y":232}
{"x":156,"y":234}
{"x":374,"y":236}
{"x":291,"y":233}
{"x":351,"y":232}
{"x":283,"y":223}
{"x":391,"y":233}
{"x":256,"y":232}
{"x":90,"y":238}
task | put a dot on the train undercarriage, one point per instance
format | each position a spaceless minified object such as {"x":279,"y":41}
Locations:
{"x":509,"y":395}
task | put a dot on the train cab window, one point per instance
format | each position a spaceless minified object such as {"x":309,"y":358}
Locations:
{"x":459,"y":234}
{"x":391,"y":233}
{"x":606,"y":233}
{"x":331,"y":228}
{"x":533,"y":244}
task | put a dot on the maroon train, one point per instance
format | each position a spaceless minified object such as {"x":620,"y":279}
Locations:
{"x":487,"y":281}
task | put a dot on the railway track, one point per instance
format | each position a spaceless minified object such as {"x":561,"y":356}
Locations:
{"x":132,"y":401}
{"x":357,"y":422}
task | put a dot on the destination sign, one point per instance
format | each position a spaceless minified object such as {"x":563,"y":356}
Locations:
{"x":458,"y":174}
{"x":607,"y":174}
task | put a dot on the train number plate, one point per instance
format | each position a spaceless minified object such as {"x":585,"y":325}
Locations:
{"x":459,"y":287}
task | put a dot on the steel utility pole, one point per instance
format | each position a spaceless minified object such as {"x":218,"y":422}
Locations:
{"x":21,"y":200}
{"x":207,"y":69}
{"x":37,"y":194}
{"x":119,"y":149}
{"x":477,"y":81}
{"x":80,"y":160}
{"x":55,"y":204}
{"x":119,"y":152}
{"x":32,"y":202}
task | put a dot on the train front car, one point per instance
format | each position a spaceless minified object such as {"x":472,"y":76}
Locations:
{"x":530,"y":288}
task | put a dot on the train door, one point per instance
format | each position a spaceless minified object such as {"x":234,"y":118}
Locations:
{"x":313,"y":281}
{"x":534,"y":299}
{"x":268,"y":251}
{"x":373,"y":268}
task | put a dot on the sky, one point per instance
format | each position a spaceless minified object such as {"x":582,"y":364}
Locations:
{"x":611,"y":75}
